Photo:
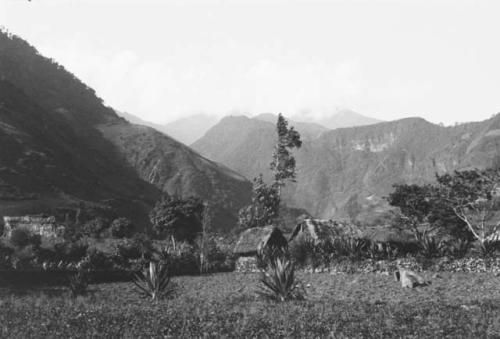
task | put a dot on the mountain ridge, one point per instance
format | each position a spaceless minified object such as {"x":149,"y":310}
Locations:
{"x":346,"y":172}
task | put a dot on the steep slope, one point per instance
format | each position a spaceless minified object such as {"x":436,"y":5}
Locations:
{"x":189,"y":129}
{"x":345,"y":173}
{"x":241,"y":143}
{"x":60,"y":141}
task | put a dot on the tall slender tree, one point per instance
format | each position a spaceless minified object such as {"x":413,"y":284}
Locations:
{"x":283,"y":164}
{"x":265,"y":205}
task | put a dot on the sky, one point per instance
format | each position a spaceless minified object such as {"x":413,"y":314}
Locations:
{"x":162,"y":60}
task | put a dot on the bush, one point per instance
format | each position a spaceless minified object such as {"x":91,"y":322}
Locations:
{"x":352,"y":248}
{"x":488,"y":248}
{"x":121,"y":228}
{"x":72,"y":251}
{"x":5,"y":255}
{"x":382,"y":251}
{"x":129,"y":251}
{"x":25,"y":257}
{"x":21,"y":237}
{"x":458,"y":248}
{"x":95,"y":227}
{"x":96,"y":260}
{"x":78,"y":283}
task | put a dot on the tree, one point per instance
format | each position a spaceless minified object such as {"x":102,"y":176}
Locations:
{"x":176,"y":217}
{"x":473,"y":197}
{"x":264,"y":208}
{"x":414,"y":203}
{"x":283,"y":164}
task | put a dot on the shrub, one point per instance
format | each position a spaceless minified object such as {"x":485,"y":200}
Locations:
{"x":488,"y":248}
{"x":78,"y":283}
{"x":5,"y":255}
{"x":278,"y":282}
{"x":431,"y":247}
{"x":458,"y":248}
{"x":305,"y":251}
{"x":95,"y":227}
{"x":129,"y":251}
{"x":382,"y":251}
{"x":121,"y":228}
{"x":25,"y":257}
{"x":353,"y":248}
{"x":96,"y":260}
{"x":72,"y":251}
{"x":154,"y":282}
{"x":300,"y":251}
{"x":21,"y":237}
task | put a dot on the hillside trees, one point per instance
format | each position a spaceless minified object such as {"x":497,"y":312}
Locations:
{"x":460,"y":201}
{"x":473,"y":197}
{"x":264,"y":208}
{"x":180,"y":218}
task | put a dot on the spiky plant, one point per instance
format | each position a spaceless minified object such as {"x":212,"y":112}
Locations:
{"x":459,"y":248}
{"x":431,"y":247}
{"x":78,"y":283}
{"x":154,"y":282}
{"x":278,"y":281}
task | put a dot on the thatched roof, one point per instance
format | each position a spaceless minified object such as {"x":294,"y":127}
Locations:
{"x":319,"y":230}
{"x":254,"y":239}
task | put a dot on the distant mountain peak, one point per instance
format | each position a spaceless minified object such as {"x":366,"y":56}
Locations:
{"x":346,"y":118}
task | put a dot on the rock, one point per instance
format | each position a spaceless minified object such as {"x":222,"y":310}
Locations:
{"x":410,"y":279}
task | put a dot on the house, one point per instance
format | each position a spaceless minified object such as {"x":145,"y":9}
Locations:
{"x":42,"y":225}
{"x":321,"y":230}
{"x":254,"y":240}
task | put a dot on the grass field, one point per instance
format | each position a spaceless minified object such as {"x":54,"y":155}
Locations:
{"x":458,"y":305}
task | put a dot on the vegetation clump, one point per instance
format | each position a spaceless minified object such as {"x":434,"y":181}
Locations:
{"x":154,"y":282}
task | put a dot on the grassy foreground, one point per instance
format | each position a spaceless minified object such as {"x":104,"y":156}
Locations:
{"x":457,"y":305}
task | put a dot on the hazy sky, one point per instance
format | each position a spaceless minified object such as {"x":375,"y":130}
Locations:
{"x":162,"y":60}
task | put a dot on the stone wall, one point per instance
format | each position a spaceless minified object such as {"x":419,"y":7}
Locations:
{"x":45,"y":226}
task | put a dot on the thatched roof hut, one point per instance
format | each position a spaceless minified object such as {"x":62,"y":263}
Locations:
{"x":255,"y":239}
{"x":320,"y":230}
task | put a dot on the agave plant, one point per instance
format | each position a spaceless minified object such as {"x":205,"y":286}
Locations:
{"x":154,"y":282}
{"x":278,"y":282}
{"x":78,"y":283}
{"x":459,"y":248}
{"x":431,"y":247}
{"x":350,"y":247}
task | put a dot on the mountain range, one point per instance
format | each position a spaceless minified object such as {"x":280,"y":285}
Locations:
{"x":62,"y":150}
{"x":347,"y":172}
{"x":61,"y":147}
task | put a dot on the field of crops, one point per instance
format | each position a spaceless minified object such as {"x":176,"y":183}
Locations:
{"x":225,"y":305}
